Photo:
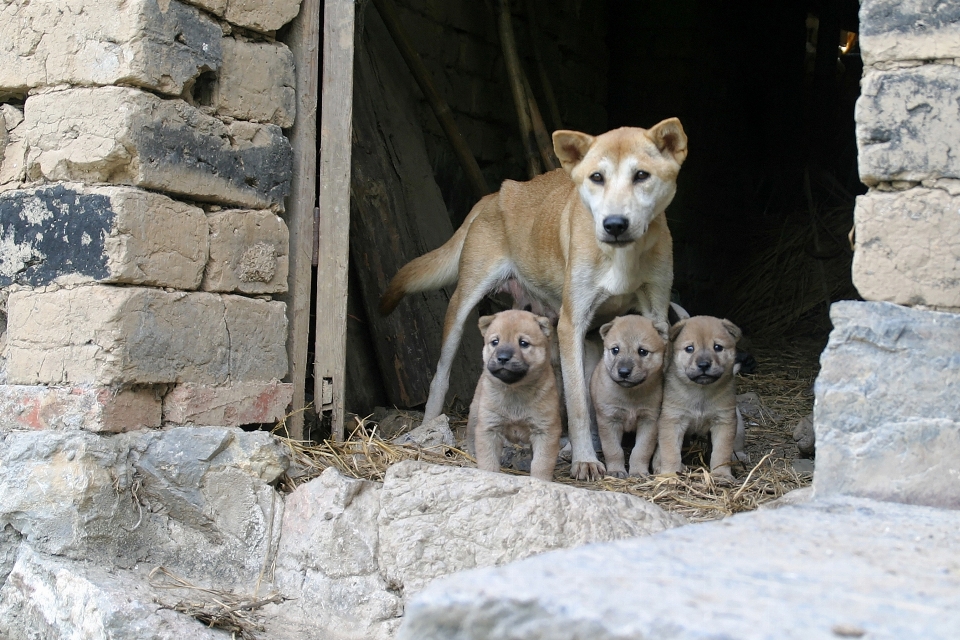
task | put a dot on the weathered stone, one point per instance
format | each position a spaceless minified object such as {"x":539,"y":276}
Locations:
{"x":48,"y":597}
{"x":805,"y":436}
{"x":886,"y":398}
{"x":98,"y":409}
{"x":327,"y":560}
{"x":259,"y":15}
{"x":907,"y":124}
{"x":161,"y":45}
{"x":256,"y":82}
{"x":104,"y":335}
{"x":908,"y":247}
{"x":9,"y":543}
{"x":434,"y":433}
{"x":908,"y":30}
{"x":13,"y":149}
{"x":194,"y":500}
{"x":436,"y":520}
{"x":248,"y":252}
{"x":72,"y":233}
{"x":127,"y":136}
{"x":818,"y":570}
{"x":391,"y":422}
{"x":230,"y":405}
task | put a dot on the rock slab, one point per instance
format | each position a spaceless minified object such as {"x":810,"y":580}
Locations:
{"x":818,"y":570}
{"x":887,"y":398}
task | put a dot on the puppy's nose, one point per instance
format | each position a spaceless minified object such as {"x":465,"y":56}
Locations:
{"x":615,"y":225}
{"x":504,"y":354}
{"x":624,"y":372}
{"x":703,"y":364}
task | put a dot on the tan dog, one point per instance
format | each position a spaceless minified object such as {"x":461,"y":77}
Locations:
{"x":590,"y":240}
{"x":517,"y":396}
{"x":627,"y":388}
{"x":699,"y":392}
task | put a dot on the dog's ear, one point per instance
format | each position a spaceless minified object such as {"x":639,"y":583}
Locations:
{"x":670,"y":139}
{"x":484,"y":324}
{"x":570,"y":147}
{"x":605,"y":329}
{"x":732,"y":329}
{"x":676,"y":329}
{"x":545,"y":325}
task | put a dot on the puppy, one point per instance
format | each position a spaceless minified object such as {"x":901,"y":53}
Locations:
{"x":517,"y":396}
{"x":699,"y":392}
{"x":627,"y":388}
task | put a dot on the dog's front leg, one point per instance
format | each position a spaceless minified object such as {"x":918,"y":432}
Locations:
{"x":571,"y":330}
{"x":489,"y":446}
{"x":644,"y":447}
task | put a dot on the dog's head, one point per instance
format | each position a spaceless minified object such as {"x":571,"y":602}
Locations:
{"x":704,"y":349}
{"x":632,"y":350}
{"x":625,"y":177}
{"x":515,"y":344}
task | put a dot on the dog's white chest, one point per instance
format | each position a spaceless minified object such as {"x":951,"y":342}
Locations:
{"x":621,"y":275}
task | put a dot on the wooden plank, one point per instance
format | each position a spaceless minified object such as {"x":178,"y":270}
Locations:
{"x":304,"y":42}
{"x":336,"y":113}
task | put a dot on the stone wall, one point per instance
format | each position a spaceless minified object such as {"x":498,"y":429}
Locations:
{"x":143,"y":170}
{"x":886,"y":407}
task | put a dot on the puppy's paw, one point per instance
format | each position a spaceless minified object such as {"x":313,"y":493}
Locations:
{"x":617,"y":472}
{"x":590,"y":471}
{"x":639,"y":474}
{"x":663,"y":328}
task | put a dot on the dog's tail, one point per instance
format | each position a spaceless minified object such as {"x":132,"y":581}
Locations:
{"x":431,"y":271}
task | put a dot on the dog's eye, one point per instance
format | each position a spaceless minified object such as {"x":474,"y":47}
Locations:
{"x":688,"y":348}
{"x":640,"y":176}
{"x":524,"y":344}
{"x":644,"y":353}
{"x":495,"y":342}
{"x":614,"y":350}
{"x":718,"y":348}
{"x":596,"y":177}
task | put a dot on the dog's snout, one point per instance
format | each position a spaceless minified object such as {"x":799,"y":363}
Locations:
{"x":703,"y":364}
{"x":624,"y":372}
{"x":615,"y":225}
{"x":504,"y":354}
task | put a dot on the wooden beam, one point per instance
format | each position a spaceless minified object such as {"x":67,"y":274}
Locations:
{"x":304,"y":42}
{"x":336,"y":114}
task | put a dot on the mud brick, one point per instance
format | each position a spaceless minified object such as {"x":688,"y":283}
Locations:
{"x":230,"y":405}
{"x":98,"y":409}
{"x":248,"y":252}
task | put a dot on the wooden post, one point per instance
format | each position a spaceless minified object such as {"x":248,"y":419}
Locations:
{"x":304,"y":42}
{"x":336,"y":114}
{"x":515,"y":74}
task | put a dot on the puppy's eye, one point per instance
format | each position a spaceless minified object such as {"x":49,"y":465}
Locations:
{"x":718,"y":348}
{"x":614,"y":350}
{"x":640,"y":176}
{"x":495,"y":342}
{"x":688,"y":348}
{"x":596,"y":177}
{"x":524,"y":344}
{"x":643,"y":352}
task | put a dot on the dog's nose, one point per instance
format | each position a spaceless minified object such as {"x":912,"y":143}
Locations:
{"x":703,"y":364}
{"x":504,"y":354}
{"x":615,"y":225}
{"x":624,"y":372}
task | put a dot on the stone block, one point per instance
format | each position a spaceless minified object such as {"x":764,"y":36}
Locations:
{"x":908,"y":247}
{"x":126,"y":136}
{"x":256,"y":82}
{"x":248,"y":252}
{"x":907,"y":124}
{"x":908,"y":30}
{"x":259,"y":15}
{"x":162,"y":45}
{"x":230,"y":405}
{"x":73,"y":233}
{"x":887,"y":398}
{"x":104,"y":335}
{"x":97,"y":409}
{"x":13,"y":149}
{"x":49,"y":597}
{"x":847,"y":568}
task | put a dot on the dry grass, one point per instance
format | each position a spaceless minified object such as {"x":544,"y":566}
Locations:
{"x":786,"y":374}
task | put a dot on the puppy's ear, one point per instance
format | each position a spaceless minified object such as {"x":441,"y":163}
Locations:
{"x":670,"y":139}
{"x":676,"y":329}
{"x":605,"y":329}
{"x":570,"y":147}
{"x":484,"y":323}
{"x":732,"y":329}
{"x":545,"y":325}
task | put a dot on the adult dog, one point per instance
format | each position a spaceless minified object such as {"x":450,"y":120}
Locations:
{"x":589,"y":240}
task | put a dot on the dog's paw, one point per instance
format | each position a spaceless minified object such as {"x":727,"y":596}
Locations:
{"x":639,"y":474}
{"x":591,"y":471}
{"x":620,"y":473}
{"x":663,"y":328}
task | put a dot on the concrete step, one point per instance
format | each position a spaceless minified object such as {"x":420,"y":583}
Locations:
{"x":831,"y":568}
